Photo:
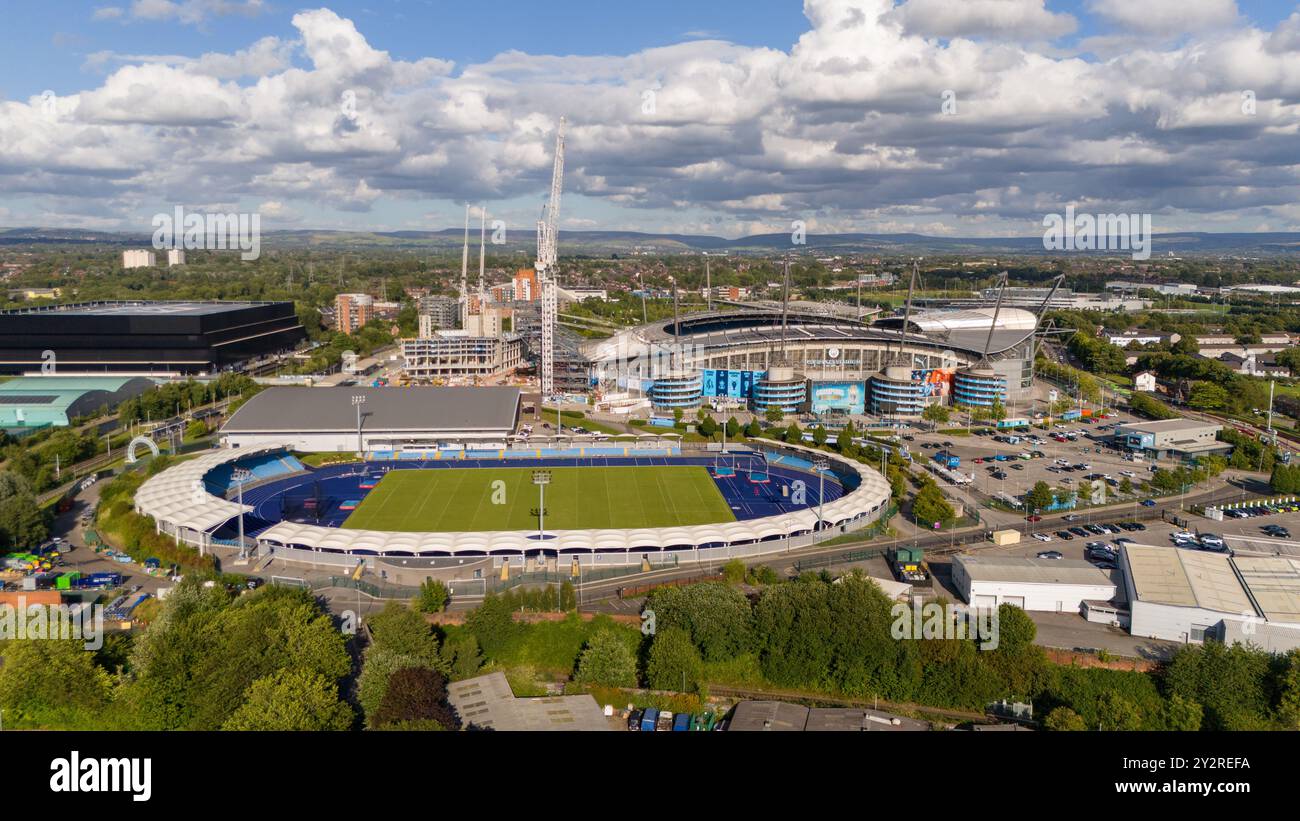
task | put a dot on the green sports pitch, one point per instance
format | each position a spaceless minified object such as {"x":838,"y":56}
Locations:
{"x":577,"y":498}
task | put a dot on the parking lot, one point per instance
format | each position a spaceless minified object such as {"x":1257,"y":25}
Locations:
{"x":1000,"y":468}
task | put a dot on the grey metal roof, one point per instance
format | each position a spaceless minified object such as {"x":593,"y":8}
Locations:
{"x":1033,"y":571}
{"x":487,"y":703}
{"x":315,"y":410}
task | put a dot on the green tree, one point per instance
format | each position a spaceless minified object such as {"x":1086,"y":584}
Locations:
{"x":416,"y":695}
{"x":930,"y":506}
{"x":997,"y":411}
{"x":433,"y":596}
{"x":1183,"y":714}
{"x":733,"y":428}
{"x":1039,"y":497}
{"x":707,"y":427}
{"x":493,"y":624}
{"x":753,"y":429}
{"x":1016,"y":631}
{"x":606,"y":661}
{"x":793,"y":435}
{"x":1208,"y":396}
{"x":51,"y":684}
{"x":819,"y":436}
{"x":936,"y":415}
{"x":1117,"y":712}
{"x":673,"y":662}
{"x":291,"y":700}
{"x":377,"y":667}
{"x":568,"y":597}
{"x":1062,"y":719}
{"x":734,"y":571}
{"x":406,"y":632}
{"x":773,"y":414}
{"x":465,"y":658}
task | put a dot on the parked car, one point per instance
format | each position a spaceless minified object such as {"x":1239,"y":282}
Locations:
{"x":1051,"y":554}
{"x":1042,"y":537}
{"x":1148,"y":503}
{"x":1065,"y":535}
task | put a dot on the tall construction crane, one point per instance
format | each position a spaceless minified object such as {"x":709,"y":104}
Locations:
{"x":547,"y":235}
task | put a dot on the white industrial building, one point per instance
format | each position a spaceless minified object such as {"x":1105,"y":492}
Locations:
{"x":1189,"y":596}
{"x":1053,"y":585}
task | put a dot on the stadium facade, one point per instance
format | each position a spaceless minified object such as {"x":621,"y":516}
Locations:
{"x":820,"y":363}
{"x":145,"y":337}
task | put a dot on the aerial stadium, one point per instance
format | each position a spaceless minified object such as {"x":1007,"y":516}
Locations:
{"x":801,"y":361}
{"x":527,"y":507}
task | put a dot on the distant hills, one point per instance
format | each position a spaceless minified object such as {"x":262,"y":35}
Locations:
{"x":1191,"y":243}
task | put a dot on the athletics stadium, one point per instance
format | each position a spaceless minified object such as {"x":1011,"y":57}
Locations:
{"x":437,"y":493}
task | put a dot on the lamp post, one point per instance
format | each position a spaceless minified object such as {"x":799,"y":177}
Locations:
{"x":357,"y":402}
{"x":241,"y":475}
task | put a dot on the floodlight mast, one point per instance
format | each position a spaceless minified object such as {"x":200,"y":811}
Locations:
{"x":357,"y":402}
{"x":542,"y":478}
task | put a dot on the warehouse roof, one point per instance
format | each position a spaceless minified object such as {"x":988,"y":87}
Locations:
{"x":1186,"y":578}
{"x":1274,"y":583}
{"x":488,"y":703}
{"x":1166,"y":426}
{"x":311,"y":410}
{"x":1033,"y":571}
{"x":858,"y":720}
{"x":768,"y":716}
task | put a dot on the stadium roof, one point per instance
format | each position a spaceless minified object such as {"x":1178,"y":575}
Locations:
{"x":1033,"y":571}
{"x":488,"y":703}
{"x":127,"y":308}
{"x":313,"y":410}
{"x":967,"y":330}
{"x":179,"y":497}
{"x":1186,"y":578}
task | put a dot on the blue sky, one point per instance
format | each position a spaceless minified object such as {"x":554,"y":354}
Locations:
{"x":47,"y":43}
{"x":787,"y":137}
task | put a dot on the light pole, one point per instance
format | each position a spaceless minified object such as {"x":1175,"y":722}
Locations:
{"x":821,"y":463}
{"x":241,"y":475}
{"x":641,"y":283}
{"x":542,"y":478}
{"x":357,"y":402}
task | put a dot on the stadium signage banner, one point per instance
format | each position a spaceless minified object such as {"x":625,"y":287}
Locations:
{"x":840,"y":396}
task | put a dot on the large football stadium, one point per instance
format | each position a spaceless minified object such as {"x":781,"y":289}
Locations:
{"x":601,"y":504}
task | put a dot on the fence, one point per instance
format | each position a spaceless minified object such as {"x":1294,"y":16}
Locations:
{"x":594,"y":575}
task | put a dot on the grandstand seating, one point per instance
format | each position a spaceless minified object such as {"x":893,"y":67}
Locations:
{"x":267,"y":466}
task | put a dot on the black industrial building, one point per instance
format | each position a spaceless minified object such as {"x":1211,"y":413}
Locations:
{"x":149,"y":337}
